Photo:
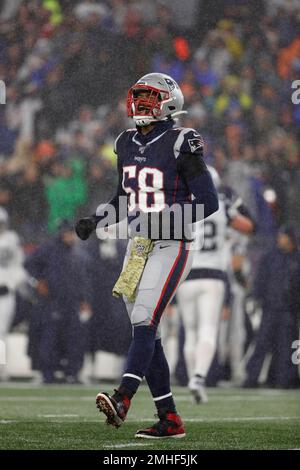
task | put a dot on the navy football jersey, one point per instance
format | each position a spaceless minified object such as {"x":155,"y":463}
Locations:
{"x":157,"y":171}
{"x":150,"y":165}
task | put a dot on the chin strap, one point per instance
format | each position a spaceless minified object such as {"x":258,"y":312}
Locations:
{"x":178,"y":112}
{"x":172,"y":116}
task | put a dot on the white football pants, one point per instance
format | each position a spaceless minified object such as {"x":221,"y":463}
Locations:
{"x":200,"y":303}
{"x":7,"y":310}
{"x":167,"y":266}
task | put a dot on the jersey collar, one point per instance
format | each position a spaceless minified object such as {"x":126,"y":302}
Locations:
{"x":159,"y":129}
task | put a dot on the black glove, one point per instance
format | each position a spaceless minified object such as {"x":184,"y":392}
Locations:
{"x":85,"y":227}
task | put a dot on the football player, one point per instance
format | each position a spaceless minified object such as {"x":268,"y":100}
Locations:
{"x":12,"y":277}
{"x":159,"y":165}
{"x":200,"y":298}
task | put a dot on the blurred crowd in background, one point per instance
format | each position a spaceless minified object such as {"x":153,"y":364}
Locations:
{"x":67,"y":66}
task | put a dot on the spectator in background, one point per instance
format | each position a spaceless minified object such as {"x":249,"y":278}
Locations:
{"x":203,"y":73}
{"x":7,"y":138}
{"x":88,"y":8}
{"x":109,"y":319}
{"x":28,"y":198}
{"x":275,"y":289}
{"x":101,"y":179}
{"x":65,"y":191}
{"x":232,"y":96}
{"x":59,"y":96}
{"x":6,"y":191}
{"x":62,"y":306}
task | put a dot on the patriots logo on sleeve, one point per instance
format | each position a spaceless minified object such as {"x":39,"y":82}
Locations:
{"x":196,"y":143}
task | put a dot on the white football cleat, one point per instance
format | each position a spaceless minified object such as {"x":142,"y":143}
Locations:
{"x":197,"y":389}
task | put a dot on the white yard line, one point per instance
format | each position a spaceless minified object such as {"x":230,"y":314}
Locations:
{"x":135,"y":419}
{"x":33,"y":398}
{"x":118,"y":446}
{"x":246,"y":418}
{"x":215,"y":420}
{"x":222,"y":398}
{"x":58,"y":416}
{"x":214,"y":397}
{"x":151,"y":420}
{"x":214,"y":391}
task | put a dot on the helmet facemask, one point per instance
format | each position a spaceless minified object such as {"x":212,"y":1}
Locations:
{"x":144,"y":103}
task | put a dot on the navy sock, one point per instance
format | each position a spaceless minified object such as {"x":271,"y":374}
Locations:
{"x":138,"y":360}
{"x":158,"y":379}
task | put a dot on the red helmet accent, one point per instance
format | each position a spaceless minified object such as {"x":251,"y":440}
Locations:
{"x":149,"y":105}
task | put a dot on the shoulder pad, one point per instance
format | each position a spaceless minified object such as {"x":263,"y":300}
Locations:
{"x":188,"y":141}
{"x":119,"y":139}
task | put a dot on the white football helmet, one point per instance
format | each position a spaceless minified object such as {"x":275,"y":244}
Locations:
{"x":154,"y":97}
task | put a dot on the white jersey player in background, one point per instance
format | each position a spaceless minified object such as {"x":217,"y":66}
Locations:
{"x":200,"y":298}
{"x":232,"y":334}
{"x":12,"y":277}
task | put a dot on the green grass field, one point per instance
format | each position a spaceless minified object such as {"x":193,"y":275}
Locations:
{"x":67,"y":418}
